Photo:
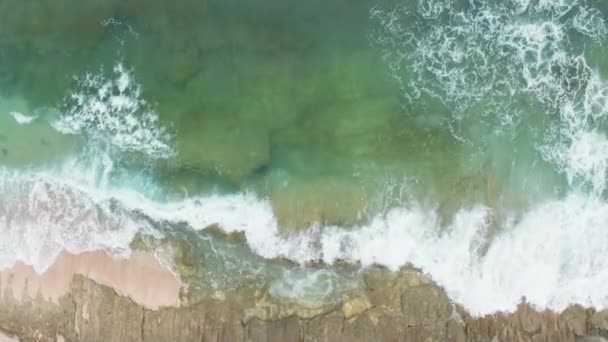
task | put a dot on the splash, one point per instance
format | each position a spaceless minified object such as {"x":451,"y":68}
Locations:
{"x":113,"y":110}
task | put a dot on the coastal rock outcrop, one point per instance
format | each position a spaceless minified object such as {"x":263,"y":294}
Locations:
{"x":423,"y":312}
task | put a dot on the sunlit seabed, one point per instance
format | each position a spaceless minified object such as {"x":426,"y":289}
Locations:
{"x":464,"y":138}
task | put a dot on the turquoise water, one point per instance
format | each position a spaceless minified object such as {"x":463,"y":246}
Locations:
{"x":444,"y":134}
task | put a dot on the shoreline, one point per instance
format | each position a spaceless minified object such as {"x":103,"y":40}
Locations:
{"x":95,"y":297}
{"x":140,"y":277}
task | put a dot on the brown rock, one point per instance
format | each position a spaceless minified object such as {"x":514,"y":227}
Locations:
{"x":575,"y":320}
{"x":283,"y":330}
{"x":530,"y":320}
{"x":592,"y":339}
{"x":455,"y":331}
{"x":385,"y":287}
{"x":92,"y":312}
{"x":425,"y":305}
{"x":598,"y":323}
{"x":599,"y":320}
{"x":355,"y":306}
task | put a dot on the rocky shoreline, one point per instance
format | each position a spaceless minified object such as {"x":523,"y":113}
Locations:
{"x":394,"y":307}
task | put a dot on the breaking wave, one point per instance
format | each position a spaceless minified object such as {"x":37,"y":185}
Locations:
{"x":114,"y":110}
{"x":552,"y":256}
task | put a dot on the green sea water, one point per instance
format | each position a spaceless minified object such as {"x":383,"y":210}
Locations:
{"x":334,"y":112}
{"x":290,"y":100}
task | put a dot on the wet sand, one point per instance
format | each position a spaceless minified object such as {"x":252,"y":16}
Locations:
{"x":140,"y":277}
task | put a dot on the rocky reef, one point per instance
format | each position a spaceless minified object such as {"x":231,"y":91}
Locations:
{"x":395,"y":307}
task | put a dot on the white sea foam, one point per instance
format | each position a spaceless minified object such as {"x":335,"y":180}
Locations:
{"x":488,"y":52}
{"x":114,"y":110}
{"x":23,"y":119}
{"x":40,"y":215}
{"x":310,"y":287}
{"x":553,"y":255}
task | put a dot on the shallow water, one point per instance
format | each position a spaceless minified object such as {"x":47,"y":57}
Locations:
{"x":467,"y":138}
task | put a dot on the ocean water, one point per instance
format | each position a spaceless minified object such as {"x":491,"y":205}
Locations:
{"x":466,"y":138}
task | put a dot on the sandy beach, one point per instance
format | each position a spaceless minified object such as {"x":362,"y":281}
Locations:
{"x":140,"y":277}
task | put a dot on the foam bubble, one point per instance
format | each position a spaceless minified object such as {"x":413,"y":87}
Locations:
{"x":23,"y":119}
{"x":589,"y":21}
{"x":113,"y":110}
{"x":486,"y":53}
{"x":310,"y":287}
